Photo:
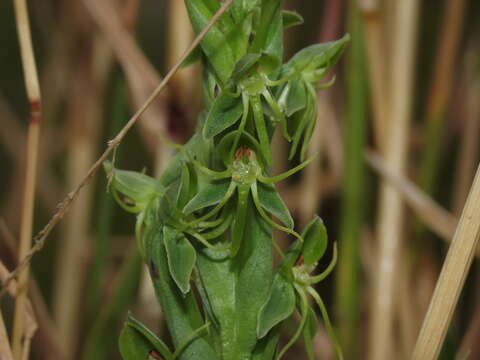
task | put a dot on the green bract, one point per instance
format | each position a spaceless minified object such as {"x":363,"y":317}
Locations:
{"x":204,"y":228}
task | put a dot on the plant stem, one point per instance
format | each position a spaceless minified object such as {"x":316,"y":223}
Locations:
{"x":390,"y":210}
{"x":353,"y":199}
{"x":452,"y":278}
{"x":34,"y":98}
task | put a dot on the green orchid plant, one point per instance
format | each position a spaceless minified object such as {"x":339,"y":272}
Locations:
{"x":204,"y":228}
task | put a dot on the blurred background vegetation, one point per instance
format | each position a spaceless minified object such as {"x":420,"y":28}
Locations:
{"x":398,"y":137}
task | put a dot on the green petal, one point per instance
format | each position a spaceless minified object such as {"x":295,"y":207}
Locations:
{"x":297,"y":97}
{"x":181,"y":257}
{"x":279,"y":305}
{"x":272,"y":202}
{"x":315,"y":241}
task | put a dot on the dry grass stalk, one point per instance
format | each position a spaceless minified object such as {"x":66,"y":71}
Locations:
{"x":374,"y":41}
{"x":5,"y":350}
{"x":469,"y":145}
{"x":439,"y":220}
{"x":41,"y":237}
{"x":13,"y":137}
{"x":29,"y":327}
{"x":47,"y":335}
{"x":452,"y":278}
{"x":21,"y":328}
{"x":390,"y":213}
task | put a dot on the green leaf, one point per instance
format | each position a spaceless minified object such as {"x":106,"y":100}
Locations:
{"x":291,"y":18}
{"x":225,"y":112}
{"x":215,"y":44}
{"x":317,"y":57}
{"x":296,"y":99}
{"x":272,"y":202}
{"x":245,"y":64}
{"x":181,"y":257}
{"x":269,"y":36}
{"x":133,"y":345}
{"x":138,"y":187}
{"x":184,"y":190}
{"x":279,"y":305}
{"x":149,"y":336}
{"x":240,"y":8}
{"x":210,"y":194}
{"x":183,"y":317}
{"x":315,"y":241}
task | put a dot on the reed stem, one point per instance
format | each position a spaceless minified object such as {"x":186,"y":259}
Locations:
{"x":390,"y":211}
{"x":452,"y":278}
{"x":33,"y":134}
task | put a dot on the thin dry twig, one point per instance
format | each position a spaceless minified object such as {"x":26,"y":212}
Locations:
{"x":65,"y":205}
{"x":452,"y":278}
{"x":437,"y":218}
{"x":22,"y":328}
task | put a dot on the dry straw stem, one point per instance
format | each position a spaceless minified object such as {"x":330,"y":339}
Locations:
{"x":30,"y":325}
{"x":469,"y":145}
{"x":391,"y":213}
{"x":65,"y":205}
{"x":21,"y":328}
{"x":375,"y":48}
{"x":47,"y":335}
{"x":439,"y":220}
{"x":5,"y":350}
{"x":452,"y":278}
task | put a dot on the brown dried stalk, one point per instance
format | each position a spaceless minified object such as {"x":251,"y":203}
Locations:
{"x":452,"y":278}
{"x":65,"y":205}
{"x":22,"y":331}
{"x":390,"y":210}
